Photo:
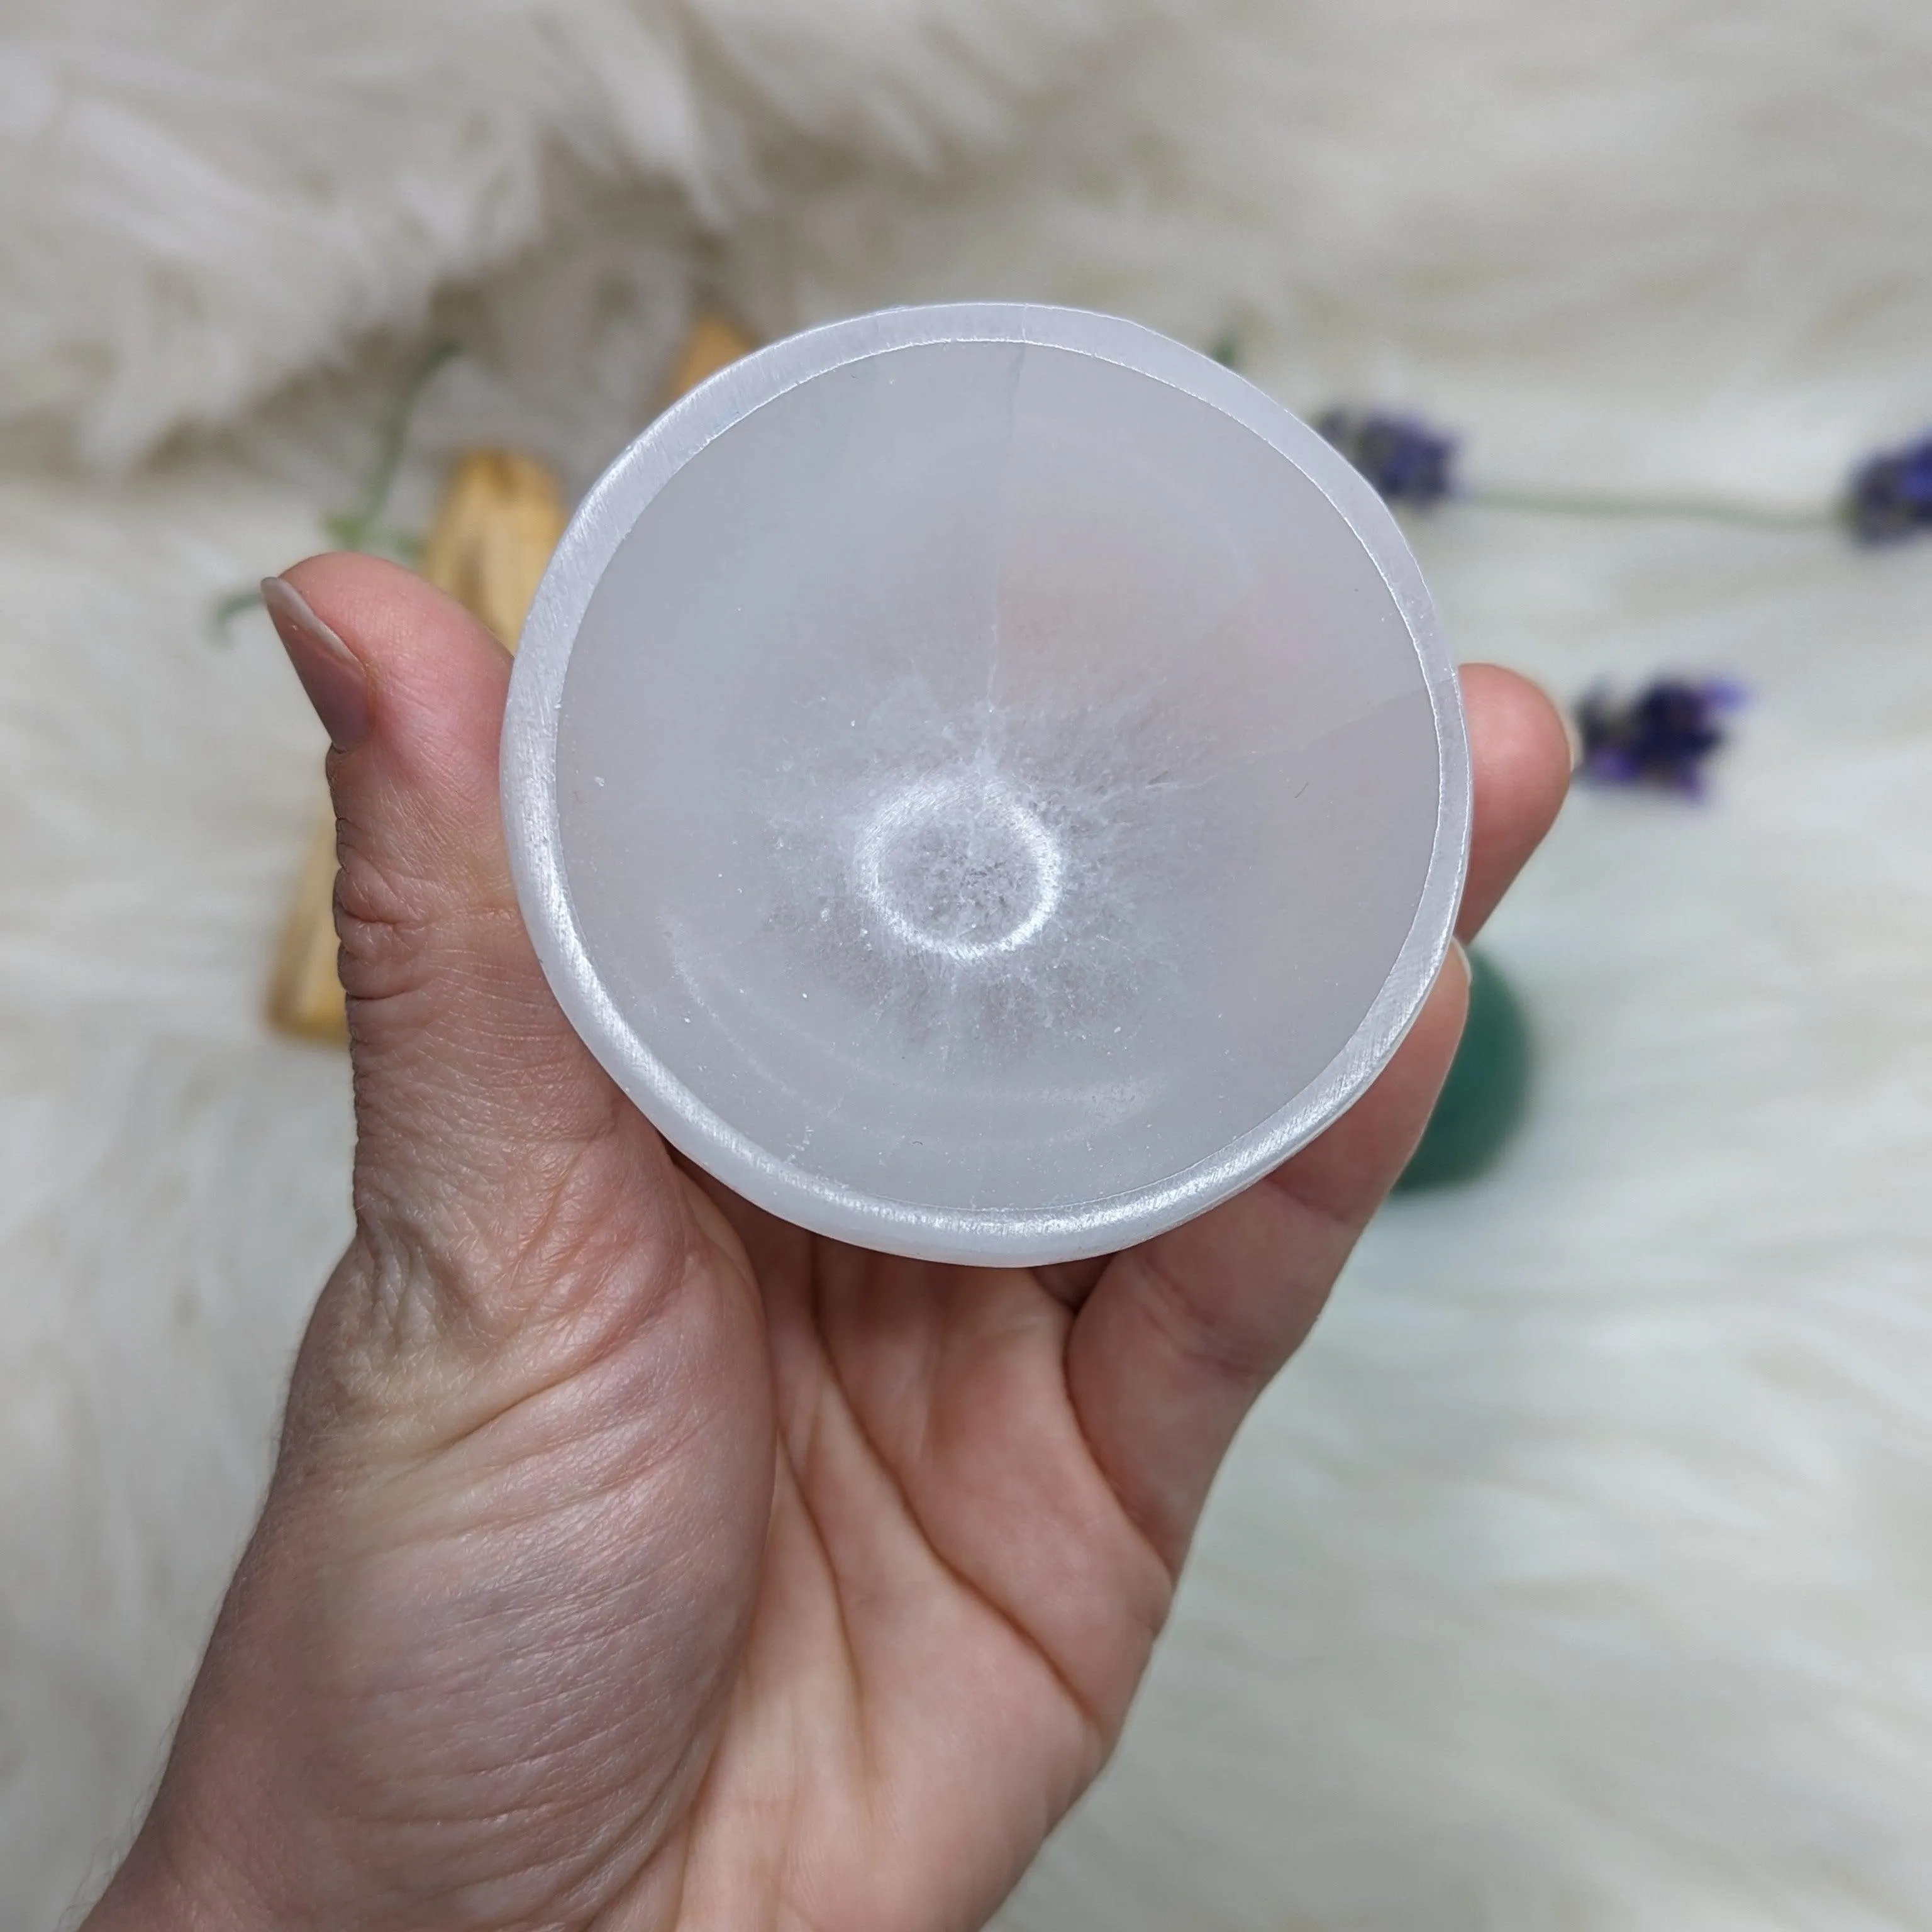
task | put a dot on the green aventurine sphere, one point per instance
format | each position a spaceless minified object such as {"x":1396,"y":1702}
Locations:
{"x":1488,"y":1088}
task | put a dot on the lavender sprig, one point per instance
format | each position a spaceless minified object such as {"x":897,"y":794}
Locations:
{"x":1407,"y":459}
{"x":1412,"y":462}
{"x":1662,"y":737}
{"x":1890,"y":496}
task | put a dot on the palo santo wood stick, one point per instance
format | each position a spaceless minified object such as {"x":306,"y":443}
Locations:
{"x":714,"y":344}
{"x":500,"y":518}
{"x":304,"y":994}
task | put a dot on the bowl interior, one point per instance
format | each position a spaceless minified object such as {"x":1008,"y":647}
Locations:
{"x":993,"y":780}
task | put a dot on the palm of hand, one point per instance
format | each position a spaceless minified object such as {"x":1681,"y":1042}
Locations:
{"x":634,"y":1559}
{"x":719,"y":1594}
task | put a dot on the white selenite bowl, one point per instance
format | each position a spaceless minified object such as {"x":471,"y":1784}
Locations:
{"x":986,"y":781}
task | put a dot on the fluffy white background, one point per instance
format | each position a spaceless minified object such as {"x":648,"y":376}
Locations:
{"x":1579,"y":1573}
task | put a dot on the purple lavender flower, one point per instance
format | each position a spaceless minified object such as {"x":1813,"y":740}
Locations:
{"x":1890,"y":494}
{"x":1406,"y":460}
{"x":1661,"y":737}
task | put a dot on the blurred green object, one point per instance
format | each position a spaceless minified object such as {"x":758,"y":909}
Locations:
{"x":1483,"y":1099}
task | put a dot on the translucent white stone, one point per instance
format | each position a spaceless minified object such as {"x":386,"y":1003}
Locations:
{"x":986,"y":781}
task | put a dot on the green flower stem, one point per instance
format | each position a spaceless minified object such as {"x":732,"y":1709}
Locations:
{"x":362,"y":528}
{"x":1669,"y":509}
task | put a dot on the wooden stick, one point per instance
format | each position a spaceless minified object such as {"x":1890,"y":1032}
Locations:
{"x":500,"y":518}
{"x":714,"y":343}
{"x":304,"y":994}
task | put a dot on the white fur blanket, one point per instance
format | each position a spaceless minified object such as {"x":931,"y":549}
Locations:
{"x":1576,"y":1575}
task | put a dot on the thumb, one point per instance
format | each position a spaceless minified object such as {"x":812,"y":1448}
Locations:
{"x":476,"y":1103}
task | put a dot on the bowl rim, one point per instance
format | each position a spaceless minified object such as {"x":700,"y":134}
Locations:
{"x":532,"y":829}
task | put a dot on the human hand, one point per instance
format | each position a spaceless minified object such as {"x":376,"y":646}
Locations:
{"x":633,"y":1559}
